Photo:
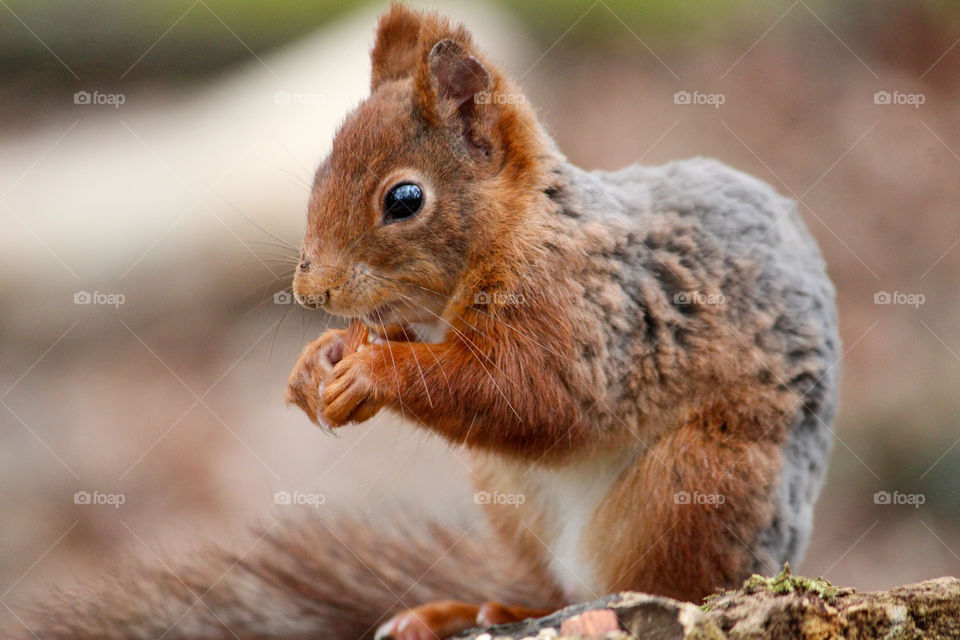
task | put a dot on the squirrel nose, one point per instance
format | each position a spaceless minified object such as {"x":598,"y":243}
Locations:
{"x":310,"y":293}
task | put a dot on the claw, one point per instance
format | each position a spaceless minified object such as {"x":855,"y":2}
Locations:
{"x":326,"y":428}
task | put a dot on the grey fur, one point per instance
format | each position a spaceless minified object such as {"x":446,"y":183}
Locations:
{"x":698,"y":226}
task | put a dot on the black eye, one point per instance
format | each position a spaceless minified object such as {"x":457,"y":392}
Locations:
{"x":402,"y":201}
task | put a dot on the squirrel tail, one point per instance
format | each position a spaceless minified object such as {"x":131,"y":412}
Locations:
{"x":317,"y":577}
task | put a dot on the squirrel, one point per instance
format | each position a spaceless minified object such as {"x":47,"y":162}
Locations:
{"x":642,"y":365}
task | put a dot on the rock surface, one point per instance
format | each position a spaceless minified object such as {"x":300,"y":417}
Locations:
{"x":784,"y":607}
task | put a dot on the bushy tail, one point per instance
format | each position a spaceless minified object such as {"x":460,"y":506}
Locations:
{"x":316,"y":577}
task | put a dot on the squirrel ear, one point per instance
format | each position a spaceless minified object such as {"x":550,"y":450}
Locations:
{"x":395,"y":51}
{"x":461,"y":79}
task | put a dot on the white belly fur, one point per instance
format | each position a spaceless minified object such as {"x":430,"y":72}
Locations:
{"x":570,"y":496}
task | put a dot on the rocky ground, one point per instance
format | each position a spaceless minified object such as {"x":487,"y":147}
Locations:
{"x":786,"y":607}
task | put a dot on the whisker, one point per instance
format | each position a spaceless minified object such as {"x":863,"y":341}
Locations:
{"x":289,"y":257}
{"x":460,"y":334}
{"x":446,"y":379}
{"x":254,"y":223}
{"x":307,"y":173}
{"x":266,"y":300}
{"x":523,"y":334}
{"x":471,"y":346}
{"x":273,"y":342}
{"x":519,"y":332}
{"x":377,"y":276}
{"x":279,"y":257}
{"x":423,"y":378}
{"x":474,"y":350}
{"x":395,"y":371}
{"x":271,"y":284}
{"x":286,"y":275}
{"x":299,"y":180}
{"x":408,"y":284}
{"x":466,"y":438}
{"x":286,"y":246}
{"x":266,"y":257}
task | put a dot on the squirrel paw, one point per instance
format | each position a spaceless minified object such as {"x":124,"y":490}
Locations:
{"x":312,"y":370}
{"x":433,"y":621}
{"x":438,"y":620}
{"x":352,"y":392}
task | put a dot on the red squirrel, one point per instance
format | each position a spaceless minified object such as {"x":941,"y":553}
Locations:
{"x":646,"y":356}
{"x":642,"y":365}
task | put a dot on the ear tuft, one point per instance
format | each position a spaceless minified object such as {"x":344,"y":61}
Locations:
{"x":395,"y":51}
{"x":459,"y":80}
{"x":458,"y":76}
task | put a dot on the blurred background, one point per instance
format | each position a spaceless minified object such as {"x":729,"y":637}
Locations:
{"x":155,"y":161}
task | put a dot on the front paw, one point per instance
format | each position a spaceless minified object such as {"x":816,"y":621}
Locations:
{"x":312,"y":370}
{"x":354,"y":391}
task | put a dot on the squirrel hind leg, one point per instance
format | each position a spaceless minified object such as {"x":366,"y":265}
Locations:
{"x":708,"y":498}
{"x":447,"y":618}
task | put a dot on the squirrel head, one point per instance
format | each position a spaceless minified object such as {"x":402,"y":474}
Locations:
{"x":424,"y":181}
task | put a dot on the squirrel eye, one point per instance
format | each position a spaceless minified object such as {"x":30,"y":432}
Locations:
{"x":402,"y":201}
